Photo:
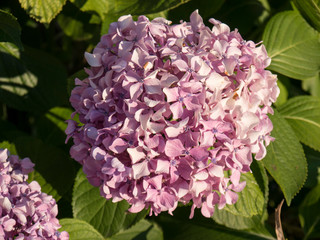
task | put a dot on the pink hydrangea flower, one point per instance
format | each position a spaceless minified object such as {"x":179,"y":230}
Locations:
{"x":172,"y":113}
{"x":25,"y":212}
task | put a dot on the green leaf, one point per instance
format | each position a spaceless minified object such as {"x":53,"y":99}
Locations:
{"x":10,"y":146}
{"x":309,"y":214}
{"x":292,"y":45}
{"x":45,"y":187}
{"x":285,"y":160}
{"x":34,"y":82}
{"x":312,"y":85}
{"x":76,"y":24}
{"x":142,"y":230}
{"x":121,"y":7}
{"x":283,"y":97}
{"x":174,"y":228}
{"x":206,"y":10}
{"x":51,"y":162}
{"x":107,"y":217}
{"x":310,"y":10}
{"x":313,"y":158}
{"x":42,"y":10}
{"x":50,"y":127}
{"x":251,"y":199}
{"x":79,"y":230}
{"x":10,"y":30}
{"x":303,"y":114}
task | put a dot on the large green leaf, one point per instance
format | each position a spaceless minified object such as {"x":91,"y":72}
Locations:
{"x":10,"y":29}
{"x":309,"y":213}
{"x":107,"y":217}
{"x":310,"y":10}
{"x":79,"y":230}
{"x":303,"y":114}
{"x":292,"y":45}
{"x":31,"y":80}
{"x":120,"y":7}
{"x":251,"y":200}
{"x":285,"y":159}
{"x":42,"y":10}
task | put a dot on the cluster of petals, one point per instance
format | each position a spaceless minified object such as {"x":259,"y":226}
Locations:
{"x":25,"y":212}
{"x":172,"y":113}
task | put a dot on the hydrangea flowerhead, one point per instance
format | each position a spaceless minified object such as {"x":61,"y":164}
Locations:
{"x":172,"y":113}
{"x":25,"y":212}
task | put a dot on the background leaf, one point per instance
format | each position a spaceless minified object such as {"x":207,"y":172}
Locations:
{"x":309,"y":214}
{"x":303,"y":114}
{"x":141,"y":230}
{"x":104,"y":215}
{"x":310,"y":10}
{"x":34,"y":82}
{"x":79,"y":230}
{"x":285,"y":159}
{"x":10,"y":29}
{"x":42,"y":10}
{"x":45,"y":187}
{"x":292,"y":45}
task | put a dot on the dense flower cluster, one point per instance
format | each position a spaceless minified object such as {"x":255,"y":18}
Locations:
{"x":25,"y":212}
{"x":172,"y":113}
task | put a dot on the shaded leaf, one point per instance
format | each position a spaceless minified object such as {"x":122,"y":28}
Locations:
{"x":10,"y":30}
{"x":285,"y":159}
{"x":34,"y":82}
{"x":104,"y":215}
{"x":45,"y":187}
{"x":42,"y":10}
{"x":313,"y":158}
{"x":292,"y":45}
{"x":303,"y":114}
{"x":139,"y":231}
{"x":308,"y":214}
{"x":52,"y":163}
{"x":79,"y":230}
{"x":174,"y":228}
{"x":310,"y":10}
{"x":50,"y":127}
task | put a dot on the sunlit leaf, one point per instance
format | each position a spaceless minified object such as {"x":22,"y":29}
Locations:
{"x":79,"y":230}
{"x":303,"y":114}
{"x":293,"y":46}
{"x":42,"y":10}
